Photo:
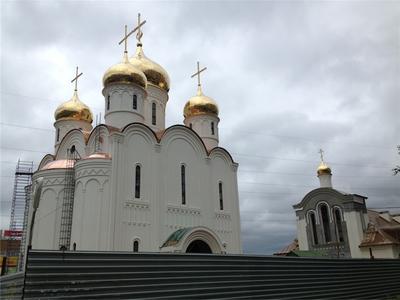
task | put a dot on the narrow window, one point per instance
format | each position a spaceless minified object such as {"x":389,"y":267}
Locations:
{"x":314,"y":228}
{"x":153,"y":114}
{"x":212,"y":128}
{"x":191,"y":125}
{"x":325,"y":222}
{"x":339,"y":228}
{"x":134,"y":102}
{"x":137,"y":181}
{"x":58,"y":134}
{"x":136,"y":246}
{"x":183,"y":184}
{"x":108,"y":102}
{"x":221,"y":196}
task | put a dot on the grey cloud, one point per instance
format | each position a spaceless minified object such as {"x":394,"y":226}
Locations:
{"x":289,"y":78}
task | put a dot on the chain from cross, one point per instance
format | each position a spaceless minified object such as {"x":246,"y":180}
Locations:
{"x":139,"y":33}
{"x":321,"y":152}
{"x":125,"y":39}
{"x":198,"y":73}
{"x":76,"y":79}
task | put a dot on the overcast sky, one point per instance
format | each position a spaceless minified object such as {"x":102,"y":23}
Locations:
{"x":289,"y":78}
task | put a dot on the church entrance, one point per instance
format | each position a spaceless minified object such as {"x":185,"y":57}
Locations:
{"x":198,"y":246}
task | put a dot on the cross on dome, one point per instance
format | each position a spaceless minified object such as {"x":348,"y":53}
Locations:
{"x":198,"y":73}
{"x":76,"y":79}
{"x":139,"y":33}
{"x":125,"y":39}
{"x":321,"y":152}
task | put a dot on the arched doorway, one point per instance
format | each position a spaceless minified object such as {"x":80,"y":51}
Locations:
{"x":198,"y":246}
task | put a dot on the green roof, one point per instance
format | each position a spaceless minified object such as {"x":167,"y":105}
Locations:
{"x":175,"y":237}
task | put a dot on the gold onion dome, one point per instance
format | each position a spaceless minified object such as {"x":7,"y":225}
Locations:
{"x":200,"y":105}
{"x":125,"y":72}
{"x":73,"y":109}
{"x":155,"y":74}
{"x":324,"y":169}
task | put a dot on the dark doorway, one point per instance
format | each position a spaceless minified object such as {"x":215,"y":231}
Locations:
{"x":198,"y":246}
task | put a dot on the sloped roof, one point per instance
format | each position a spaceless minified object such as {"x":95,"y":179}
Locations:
{"x":380,"y":230}
{"x":289,"y":248}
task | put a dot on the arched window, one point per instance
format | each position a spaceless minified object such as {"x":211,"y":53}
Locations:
{"x":221,"y":196}
{"x":137,"y":181}
{"x":212,"y":128}
{"x":183,"y":183}
{"x":108,"y":102}
{"x":58,"y":134}
{"x":135,"y":246}
{"x":338,"y":223}
{"x":134,"y":102}
{"x":72,"y":150}
{"x":153,"y":114}
{"x":325,"y":222}
{"x":313,"y":224}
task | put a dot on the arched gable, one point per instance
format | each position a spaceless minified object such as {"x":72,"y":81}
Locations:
{"x":182,"y":132}
{"x":45,"y":160}
{"x":223,"y":153}
{"x":320,"y":193}
{"x":102,"y":131}
{"x":73,"y":137}
{"x":142,"y":130}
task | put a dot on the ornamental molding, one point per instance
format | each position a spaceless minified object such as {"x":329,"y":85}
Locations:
{"x":53,"y":181}
{"x":183,"y":210}
{"x":222,"y":216}
{"x":93,"y":172}
{"x":137,"y":205}
{"x":138,"y":224}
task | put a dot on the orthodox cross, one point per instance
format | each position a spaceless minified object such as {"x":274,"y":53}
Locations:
{"x":76,"y":79}
{"x":125,"y":39}
{"x":198,"y":73}
{"x":139,"y":33}
{"x":321,"y":152}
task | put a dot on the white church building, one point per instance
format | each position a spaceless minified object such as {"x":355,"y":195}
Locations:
{"x":131,"y":184}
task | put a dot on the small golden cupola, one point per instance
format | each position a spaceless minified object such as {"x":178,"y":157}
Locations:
{"x":201,"y":115}
{"x":200,"y":104}
{"x":74,"y":109}
{"x":155,"y":74}
{"x":124,"y":72}
{"x":323,"y":168}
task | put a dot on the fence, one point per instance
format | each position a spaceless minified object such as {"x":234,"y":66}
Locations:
{"x":123,"y":275}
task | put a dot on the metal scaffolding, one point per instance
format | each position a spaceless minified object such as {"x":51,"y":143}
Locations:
{"x":23,"y":178}
{"x":68,"y":200}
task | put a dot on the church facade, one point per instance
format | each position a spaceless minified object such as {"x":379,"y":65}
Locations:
{"x":131,"y":184}
{"x":337,"y":224}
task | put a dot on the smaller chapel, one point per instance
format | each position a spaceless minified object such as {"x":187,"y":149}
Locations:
{"x":133,"y":184}
{"x":337,"y":224}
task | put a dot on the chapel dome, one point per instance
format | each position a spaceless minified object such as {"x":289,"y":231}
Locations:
{"x":124,"y":72}
{"x":73,"y":109}
{"x":324,"y":169}
{"x":155,"y":74}
{"x":200,"y":105}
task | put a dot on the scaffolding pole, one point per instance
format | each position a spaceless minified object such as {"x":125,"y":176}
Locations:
{"x":23,"y":178}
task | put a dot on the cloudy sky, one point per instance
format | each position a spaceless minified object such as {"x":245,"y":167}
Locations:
{"x":289,"y":78}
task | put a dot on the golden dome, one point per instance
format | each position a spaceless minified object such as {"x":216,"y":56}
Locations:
{"x":200,"y":105}
{"x":324,"y":169}
{"x":155,"y":74}
{"x":74,"y":109}
{"x":124,"y":72}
